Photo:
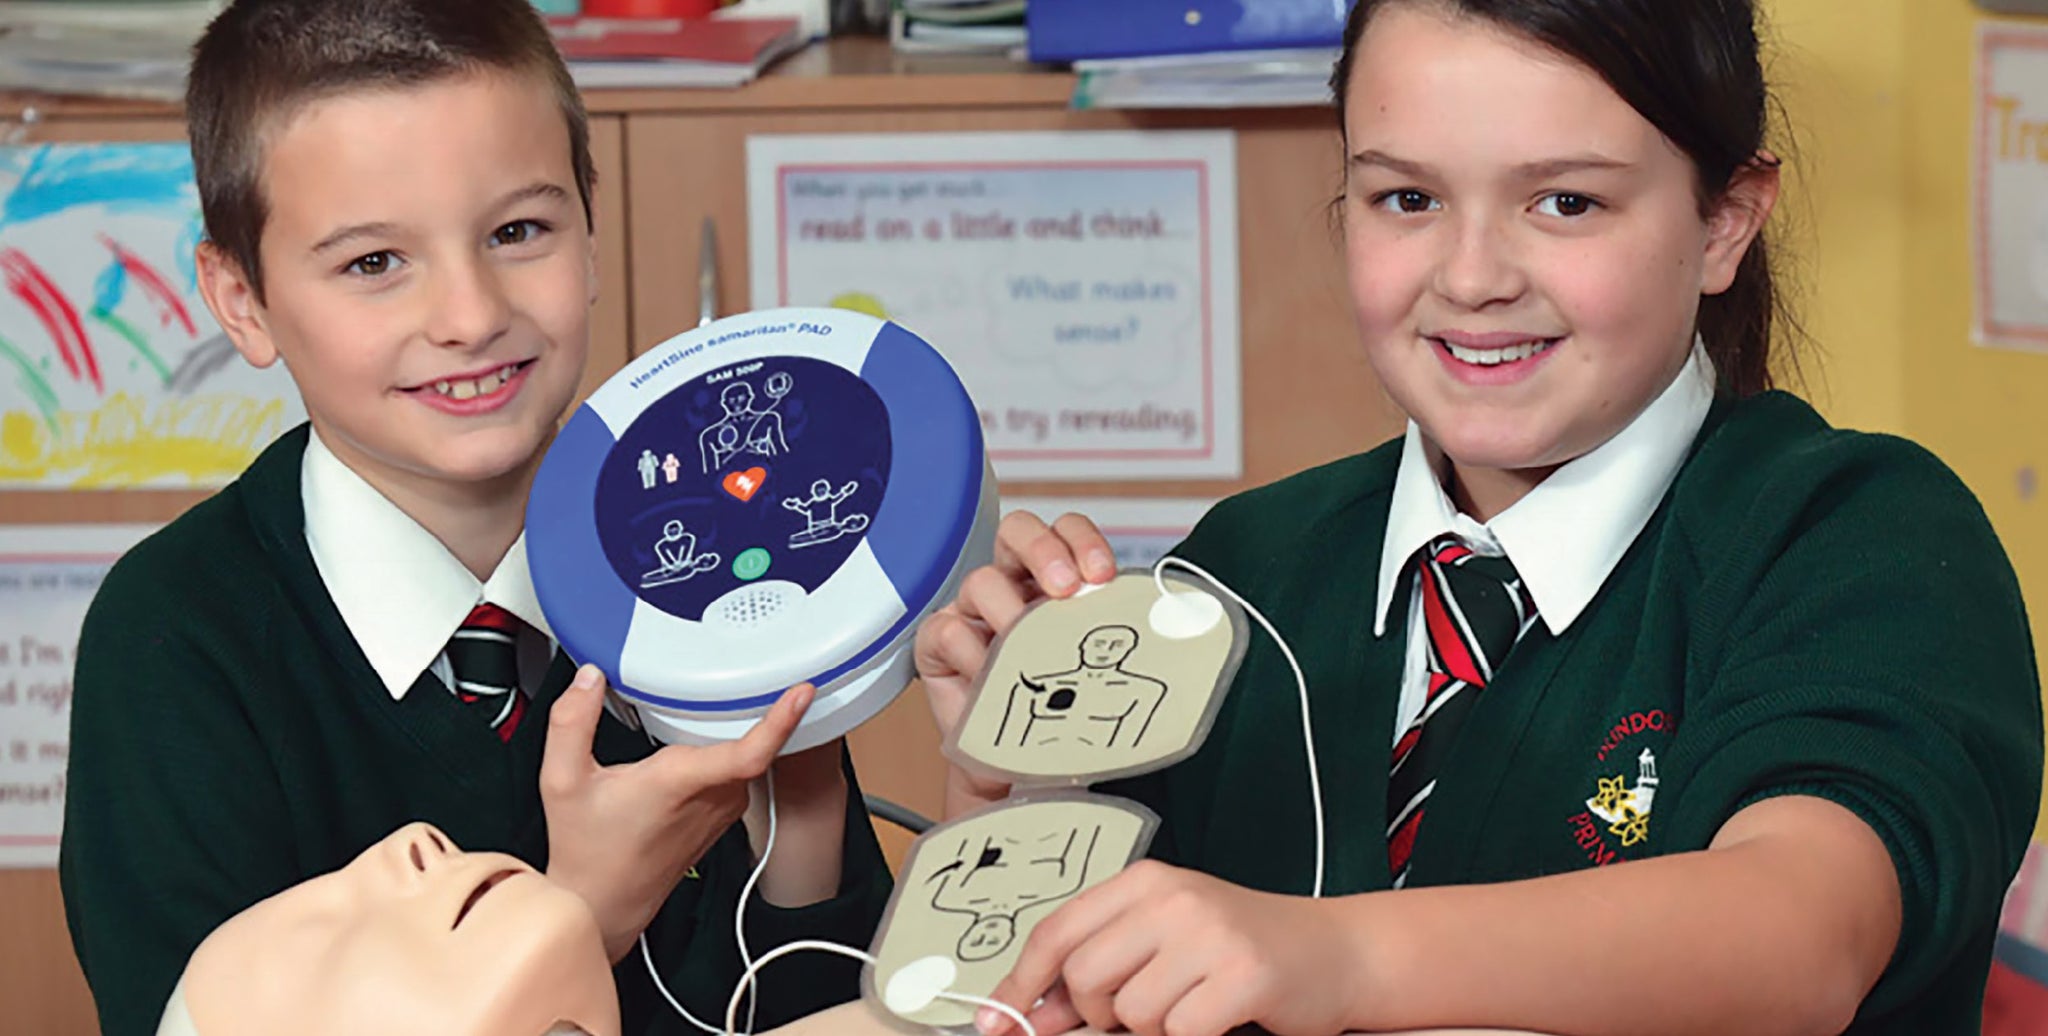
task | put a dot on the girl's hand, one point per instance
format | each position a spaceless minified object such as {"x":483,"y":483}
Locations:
{"x":1159,"y":949}
{"x":1033,"y":561}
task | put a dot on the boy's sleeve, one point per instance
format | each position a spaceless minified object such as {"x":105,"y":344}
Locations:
{"x":1881,"y":661}
{"x":167,"y":803}
{"x":695,"y":948}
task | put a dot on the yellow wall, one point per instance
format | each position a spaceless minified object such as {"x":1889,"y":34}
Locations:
{"x":1887,"y":132}
{"x":1837,"y":65}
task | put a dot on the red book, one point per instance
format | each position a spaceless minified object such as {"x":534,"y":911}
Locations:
{"x":672,"y":52}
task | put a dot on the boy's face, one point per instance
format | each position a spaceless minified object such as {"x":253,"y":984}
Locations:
{"x":428,"y":278}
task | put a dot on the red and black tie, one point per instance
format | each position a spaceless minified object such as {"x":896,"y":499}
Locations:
{"x":1475,"y":609}
{"x":484,"y":655}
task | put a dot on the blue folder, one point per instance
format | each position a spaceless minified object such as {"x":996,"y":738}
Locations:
{"x":1075,"y":30}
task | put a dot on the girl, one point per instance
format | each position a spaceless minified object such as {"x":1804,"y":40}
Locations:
{"x":1643,"y":700}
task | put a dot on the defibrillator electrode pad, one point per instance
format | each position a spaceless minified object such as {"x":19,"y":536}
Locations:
{"x":1123,"y":678}
{"x":773,"y":498}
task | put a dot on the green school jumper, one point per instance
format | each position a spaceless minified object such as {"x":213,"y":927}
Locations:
{"x":229,"y":739}
{"x":1810,"y":611}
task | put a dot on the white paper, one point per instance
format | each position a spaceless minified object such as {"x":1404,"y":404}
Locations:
{"x":48,"y":574}
{"x":1140,"y":529}
{"x":1084,"y":285}
{"x":112,"y":373}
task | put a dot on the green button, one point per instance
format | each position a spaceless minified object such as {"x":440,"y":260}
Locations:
{"x":751,"y":564}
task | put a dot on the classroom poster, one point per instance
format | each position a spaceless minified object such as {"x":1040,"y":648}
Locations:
{"x":112,"y":373}
{"x":48,"y":574}
{"x":2012,"y":186}
{"x":1084,"y":285}
{"x":1141,"y":530}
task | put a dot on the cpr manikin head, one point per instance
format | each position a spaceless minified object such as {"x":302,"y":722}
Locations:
{"x":413,"y":936}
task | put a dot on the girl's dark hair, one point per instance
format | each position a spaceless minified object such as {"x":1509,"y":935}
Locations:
{"x":1692,"y":68}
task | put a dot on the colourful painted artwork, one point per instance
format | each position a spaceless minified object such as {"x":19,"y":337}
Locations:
{"x":112,"y":373}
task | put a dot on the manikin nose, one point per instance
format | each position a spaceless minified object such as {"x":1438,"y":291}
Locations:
{"x":425,"y":847}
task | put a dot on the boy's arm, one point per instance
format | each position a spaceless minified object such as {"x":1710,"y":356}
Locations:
{"x":171,"y":812}
{"x":810,"y":799}
{"x":696,"y":949}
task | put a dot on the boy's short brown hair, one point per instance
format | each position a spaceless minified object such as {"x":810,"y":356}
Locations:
{"x":262,"y":60}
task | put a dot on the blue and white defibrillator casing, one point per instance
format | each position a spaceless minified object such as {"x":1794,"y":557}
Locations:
{"x":774,"y":498}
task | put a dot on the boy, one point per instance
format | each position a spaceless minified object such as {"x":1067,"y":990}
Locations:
{"x":397,"y":199}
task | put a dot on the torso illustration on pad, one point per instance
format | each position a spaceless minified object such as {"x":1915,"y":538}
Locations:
{"x":413,"y":938}
{"x":971,"y":891}
{"x":1117,"y":680}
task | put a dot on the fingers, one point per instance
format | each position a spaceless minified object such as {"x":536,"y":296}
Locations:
{"x":1055,"y":1015}
{"x":572,"y":726}
{"x":949,"y":645}
{"x":1089,"y":547}
{"x":1056,"y":557}
{"x":994,"y":597}
{"x":1213,"y":1007}
{"x":689,"y":768}
{"x":756,"y":751}
{"x":1147,"y":998}
{"x":1055,"y":939}
{"x":1098,"y":969}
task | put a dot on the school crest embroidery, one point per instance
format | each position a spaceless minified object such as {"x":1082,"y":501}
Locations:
{"x":1617,"y":816}
{"x":1627,"y":810}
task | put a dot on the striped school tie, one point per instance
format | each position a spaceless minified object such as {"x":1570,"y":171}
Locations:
{"x":1475,"y":609}
{"x":484,"y":654}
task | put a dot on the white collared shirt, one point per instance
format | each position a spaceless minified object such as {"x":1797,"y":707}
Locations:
{"x":1564,"y":537}
{"x":398,"y":588}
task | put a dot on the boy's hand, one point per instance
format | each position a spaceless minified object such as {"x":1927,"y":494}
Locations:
{"x":622,"y":836}
{"x":1033,"y":561}
{"x":1160,"y":949}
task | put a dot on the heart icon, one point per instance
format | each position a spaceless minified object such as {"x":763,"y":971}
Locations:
{"x":744,"y":484}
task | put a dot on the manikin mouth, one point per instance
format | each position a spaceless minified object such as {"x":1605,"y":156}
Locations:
{"x":476,"y":895}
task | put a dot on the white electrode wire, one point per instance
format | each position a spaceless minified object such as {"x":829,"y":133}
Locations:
{"x":662,"y":987}
{"x":732,"y":1008}
{"x":1315,"y":781}
{"x":739,"y":916}
{"x":739,"y":931}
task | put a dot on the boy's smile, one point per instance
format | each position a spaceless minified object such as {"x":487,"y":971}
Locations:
{"x":428,"y":277}
{"x":479,"y":392}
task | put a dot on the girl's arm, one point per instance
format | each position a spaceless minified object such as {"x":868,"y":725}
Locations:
{"x":1781,"y":927}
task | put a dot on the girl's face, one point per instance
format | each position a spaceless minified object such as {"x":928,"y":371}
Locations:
{"x":1527,"y":252}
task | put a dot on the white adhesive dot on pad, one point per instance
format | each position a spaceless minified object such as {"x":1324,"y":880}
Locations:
{"x":1185,"y":615}
{"x":915,"y":985}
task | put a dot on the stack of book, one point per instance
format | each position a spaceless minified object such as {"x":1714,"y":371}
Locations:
{"x":957,"y":26}
{"x":653,"y":53}
{"x":1192,"y":53}
{"x":1291,"y":78}
{"x":109,"y":48}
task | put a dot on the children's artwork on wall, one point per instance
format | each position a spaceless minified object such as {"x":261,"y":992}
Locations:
{"x":1116,"y":680}
{"x":112,"y":373}
{"x":972,"y":890}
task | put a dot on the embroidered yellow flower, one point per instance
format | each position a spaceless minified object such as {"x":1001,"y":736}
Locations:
{"x":1613,"y":794}
{"x":1633,"y":827}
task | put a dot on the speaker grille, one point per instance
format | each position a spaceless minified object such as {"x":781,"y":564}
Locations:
{"x":745,"y":609}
